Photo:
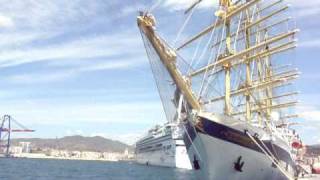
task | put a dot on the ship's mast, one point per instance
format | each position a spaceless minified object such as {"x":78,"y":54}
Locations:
{"x":167,"y":55}
{"x":248,"y":67}
{"x":269,"y":89}
{"x":227,"y":68}
{"x":255,"y":54}
{"x":250,"y":50}
{"x":226,"y":6}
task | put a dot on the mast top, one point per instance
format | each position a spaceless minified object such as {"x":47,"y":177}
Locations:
{"x":226,"y":6}
{"x":147,"y":18}
{"x":167,"y":56}
{"x":225,"y":3}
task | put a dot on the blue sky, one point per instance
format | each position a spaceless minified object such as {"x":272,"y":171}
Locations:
{"x":79,"y":67}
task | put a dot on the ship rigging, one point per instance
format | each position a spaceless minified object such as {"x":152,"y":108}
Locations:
{"x":236,"y":93}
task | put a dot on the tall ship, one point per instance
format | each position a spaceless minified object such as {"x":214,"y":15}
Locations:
{"x":163,"y":146}
{"x":231,"y":87}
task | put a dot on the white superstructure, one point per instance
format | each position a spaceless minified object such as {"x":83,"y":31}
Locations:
{"x":163,"y":146}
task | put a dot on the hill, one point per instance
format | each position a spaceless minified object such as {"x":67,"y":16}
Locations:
{"x":77,"y":143}
{"x":313,"y":150}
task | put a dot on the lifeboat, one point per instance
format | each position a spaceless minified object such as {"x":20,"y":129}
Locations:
{"x":297,"y":144}
{"x":316,"y":168}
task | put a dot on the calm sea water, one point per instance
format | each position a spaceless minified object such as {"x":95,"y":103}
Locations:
{"x":38,"y":169}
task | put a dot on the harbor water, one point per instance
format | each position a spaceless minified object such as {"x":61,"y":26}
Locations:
{"x":38,"y":169}
{"x":49,"y":169}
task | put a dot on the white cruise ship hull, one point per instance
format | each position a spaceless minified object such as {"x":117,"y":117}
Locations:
{"x":217,"y":149}
{"x":176,"y":158}
{"x":165,"y":151}
{"x":156,"y":158}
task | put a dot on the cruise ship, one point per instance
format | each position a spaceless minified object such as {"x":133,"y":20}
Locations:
{"x":163,"y":146}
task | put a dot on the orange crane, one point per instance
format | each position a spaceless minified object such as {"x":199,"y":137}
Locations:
{"x":5,"y":133}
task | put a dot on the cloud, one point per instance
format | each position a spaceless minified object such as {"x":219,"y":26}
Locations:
{"x":62,"y":15}
{"x":305,"y":9}
{"x":132,"y":9}
{"x":128,"y":138}
{"x":45,"y":13}
{"x":310,"y":102}
{"x":87,"y":47}
{"x":62,"y":29}
{"x":6,"y":22}
{"x":73,"y":70}
{"x":302,"y":8}
{"x":113,"y":64}
{"x":38,"y":77}
{"x":309,"y":123}
{"x":311,"y":115}
{"x":120,"y":51}
{"x":76,"y":132}
{"x":304,"y":4}
{"x":54,"y":112}
{"x":17,"y":39}
{"x":184,"y":4}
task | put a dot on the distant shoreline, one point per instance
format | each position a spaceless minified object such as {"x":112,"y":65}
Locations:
{"x":43,"y":156}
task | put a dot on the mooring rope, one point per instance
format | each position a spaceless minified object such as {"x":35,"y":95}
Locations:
{"x":195,"y":148}
{"x":284,"y":172}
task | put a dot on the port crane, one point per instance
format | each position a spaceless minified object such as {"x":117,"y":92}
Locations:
{"x":6,"y":128}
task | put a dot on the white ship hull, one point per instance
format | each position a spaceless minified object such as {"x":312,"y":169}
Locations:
{"x":166,"y":151}
{"x":156,"y":158}
{"x":217,"y":157}
{"x":181,"y":156}
{"x":176,"y":157}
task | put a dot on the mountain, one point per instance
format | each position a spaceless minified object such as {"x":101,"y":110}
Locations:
{"x":77,"y":143}
{"x":313,"y":150}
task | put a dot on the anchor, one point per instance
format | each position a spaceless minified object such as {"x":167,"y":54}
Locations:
{"x":196,"y":164}
{"x":238,"y":164}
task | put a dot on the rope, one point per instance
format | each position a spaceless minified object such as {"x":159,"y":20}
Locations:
{"x":195,"y":54}
{"x":237,"y":34}
{"x":195,"y":148}
{"x":19,"y":124}
{"x":268,"y":150}
{"x":153,"y":7}
{"x":183,"y":27}
{"x":180,"y":106}
{"x":252,"y":18}
{"x":207,"y":45}
{"x":254,"y":12}
{"x":158,"y":72}
{"x":270,"y":157}
{"x":217,"y":55}
{"x":236,"y":81}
